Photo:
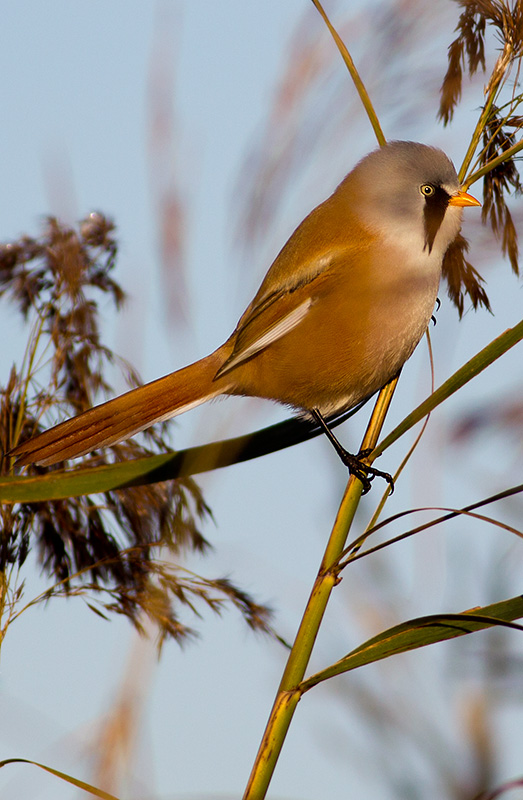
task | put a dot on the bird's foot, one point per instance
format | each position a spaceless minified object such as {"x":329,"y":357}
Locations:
{"x":355,"y":464}
{"x":362,"y":471}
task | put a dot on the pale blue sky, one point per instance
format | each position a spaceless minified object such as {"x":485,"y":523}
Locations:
{"x":73,"y":137}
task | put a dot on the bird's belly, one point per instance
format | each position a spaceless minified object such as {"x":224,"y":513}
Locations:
{"x":343,"y":351}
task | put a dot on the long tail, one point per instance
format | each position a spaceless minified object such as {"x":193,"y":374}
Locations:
{"x":127,"y":414}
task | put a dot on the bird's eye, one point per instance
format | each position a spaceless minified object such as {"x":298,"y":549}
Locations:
{"x":427,"y":190}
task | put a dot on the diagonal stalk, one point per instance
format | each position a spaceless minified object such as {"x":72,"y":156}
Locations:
{"x":356,"y":79}
{"x":27,"y":367}
{"x":497,"y":79}
{"x":510,"y":152}
{"x":289,"y":691}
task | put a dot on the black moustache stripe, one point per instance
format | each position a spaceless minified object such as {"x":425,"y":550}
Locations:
{"x":433,"y":213}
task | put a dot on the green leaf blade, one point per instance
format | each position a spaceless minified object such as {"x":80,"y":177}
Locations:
{"x":421,"y":632}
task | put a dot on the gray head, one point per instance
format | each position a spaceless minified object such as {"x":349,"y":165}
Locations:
{"x":405,"y":188}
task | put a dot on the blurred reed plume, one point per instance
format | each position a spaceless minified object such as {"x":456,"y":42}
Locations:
{"x":105,"y":546}
{"x":493,"y":146}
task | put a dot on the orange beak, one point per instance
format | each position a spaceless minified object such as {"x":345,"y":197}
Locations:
{"x":462,"y":198}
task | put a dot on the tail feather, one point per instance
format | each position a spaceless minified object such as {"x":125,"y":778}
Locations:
{"x":126,"y":415}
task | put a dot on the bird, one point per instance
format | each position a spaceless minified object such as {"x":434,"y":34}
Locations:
{"x":339,"y":312}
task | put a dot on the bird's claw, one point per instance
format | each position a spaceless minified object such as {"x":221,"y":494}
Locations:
{"x":364,"y":472}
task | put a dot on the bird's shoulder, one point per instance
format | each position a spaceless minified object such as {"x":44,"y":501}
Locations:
{"x":331,"y":238}
{"x":331,"y":235}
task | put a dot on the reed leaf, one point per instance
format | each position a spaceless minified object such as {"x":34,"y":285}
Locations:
{"x":86,"y":787}
{"x":421,"y":632}
{"x":469,"y":370}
